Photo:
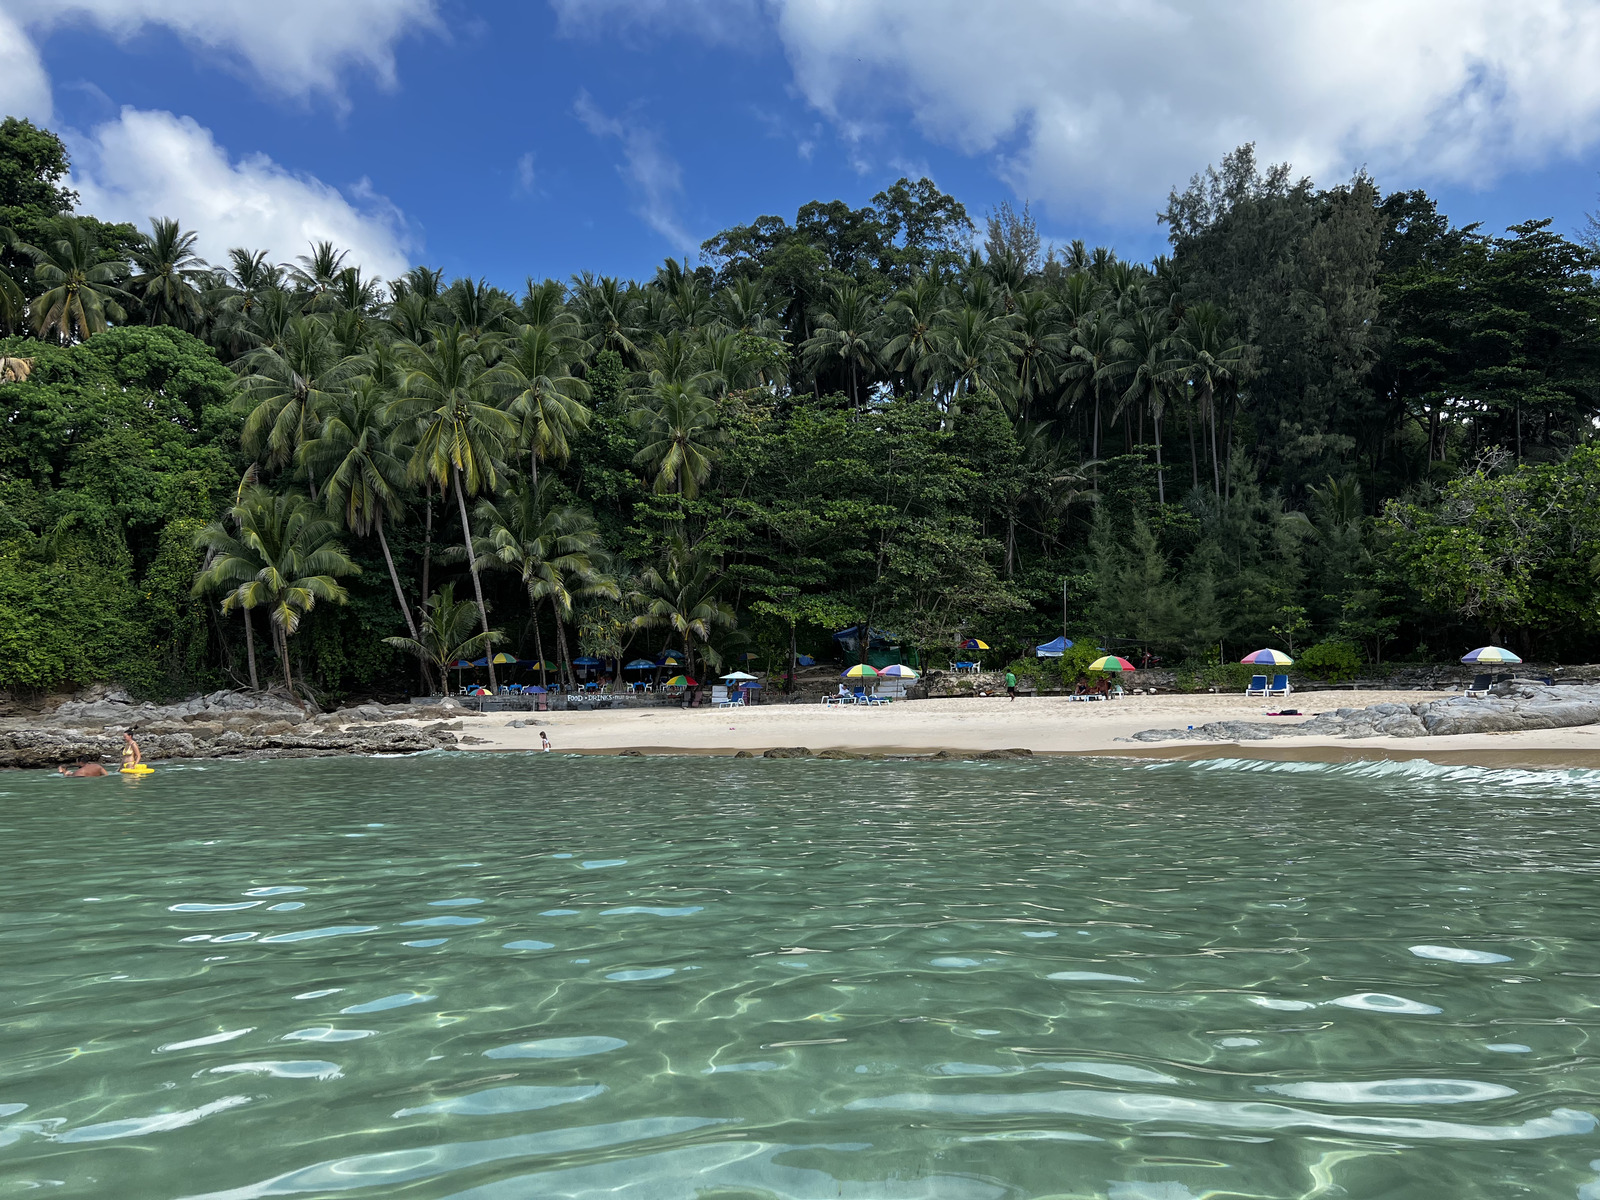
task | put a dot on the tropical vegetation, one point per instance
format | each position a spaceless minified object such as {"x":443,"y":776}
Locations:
{"x":1328,"y":420}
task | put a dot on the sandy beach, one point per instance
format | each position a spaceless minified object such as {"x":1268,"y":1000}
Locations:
{"x":1043,"y":725}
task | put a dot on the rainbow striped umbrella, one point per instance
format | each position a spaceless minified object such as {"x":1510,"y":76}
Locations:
{"x":502,"y":658}
{"x":680,"y":681}
{"x":1490,"y":654}
{"x":975,"y":644}
{"x":1111,"y":663}
{"x":1267,"y":658}
{"x":859,"y":671}
{"x":897,"y":671}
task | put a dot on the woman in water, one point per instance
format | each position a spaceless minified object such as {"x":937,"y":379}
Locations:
{"x":131,"y":757}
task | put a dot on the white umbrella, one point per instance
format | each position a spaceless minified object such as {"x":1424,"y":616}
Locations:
{"x":740,"y":675}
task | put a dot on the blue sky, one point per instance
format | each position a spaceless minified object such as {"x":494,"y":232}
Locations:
{"x":561,"y":135}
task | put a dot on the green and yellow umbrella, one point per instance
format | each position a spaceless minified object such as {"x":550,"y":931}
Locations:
{"x":859,"y":671}
{"x":503,"y":658}
{"x":1111,"y":663}
{"x":680,"y":681}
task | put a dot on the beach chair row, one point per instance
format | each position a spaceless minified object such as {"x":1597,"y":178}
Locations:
{"x":1260,"y":687}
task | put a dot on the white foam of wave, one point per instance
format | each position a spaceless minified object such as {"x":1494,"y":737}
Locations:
{"x":1455,"y":954}
{"x":1414,"y":769}
{"x":1395,"y":1091}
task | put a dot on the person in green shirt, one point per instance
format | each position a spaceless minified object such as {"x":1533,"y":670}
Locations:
{"x":1011,"y":684}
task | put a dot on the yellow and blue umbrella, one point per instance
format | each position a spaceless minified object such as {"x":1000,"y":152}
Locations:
{"x":503,"y":658}
{"x":898,"y":671}
{"x":1490,"y":654}
{"x":680,"y":681}
{"x":975,"y":644}
{"x":1267,"y":658}
{"x":859,"y":671}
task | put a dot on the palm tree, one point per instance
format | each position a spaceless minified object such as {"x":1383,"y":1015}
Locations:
{"x":605,"y":309}
{"x":458,"y":433}
{"x":1145,"y":360}
{"x":355,"y":455}
{"x":681,"y":594}
{"x":912,"y":317}
{"x":680,"y":428}
{"x":446,"y":636}
{"x":554,"y":550}
{"x":13,"y":307}
{"x":81,"y":292}
{"x":548,"y":398}
{"x":976,"y":347}
{"x":845,"y":329}
{"x":1214,"y":360}
{"x":167,"y":271}
{"x":316,"y":272}
{"x":1040,"y":343}
{"x":1094,"y":348}
{"x":282,"y":558}
{"x":286,"y":387}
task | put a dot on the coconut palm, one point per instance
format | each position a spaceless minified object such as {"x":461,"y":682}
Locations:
{"x":315,"y":274}
{"x":1040,"y":343}
{"x":1145,"y":366}
{"x":911,"y":320}
{"x":286,"y":387}
{"x":1094,"y":350}
{"x":13,"y":306}
{"x":546,"y":398}
{"x":459,"y":435}
{"x":554,"y":550}
{"x":680,"y":431}
{"x":1214,"y":360}
{"x":167,"y":271}
{"x":681,"y":594}
{"x":446,"y":635}
{"x":354,"y":454}
{"x":605,"y":310}
{"x":976,"y":348}
{"x":845,"y":330}
{"x":281,"y":556}
{"x":80,"y":294}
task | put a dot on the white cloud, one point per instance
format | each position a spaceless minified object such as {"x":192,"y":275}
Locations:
{"x":1107,"y":102}
{"x":652,"y":174}
{"x":1098,"y":102}
{"x":24,"y":86}
{"x":294,"y":47}
{"x":154,"y":164}
{"x":527,"y":177}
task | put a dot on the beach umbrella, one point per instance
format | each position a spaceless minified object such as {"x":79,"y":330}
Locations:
{"x":975,"y":644}
{"x":481,"y":662}
{"x":1111,"y":663}
{"x":586,"y":661}
{"x":1267,"y":658}
{"x":640,"y":664}
{"x":680,"y":681}
{"x":739,"y":675}
{"x":546,"y":665}
{"x":503,"y":658}
{"x":897,"y":671}
{"x":461,"y":664}
{"x":535,"y":688}
{"x":859,"y":671}
{"x":1490,"y":654}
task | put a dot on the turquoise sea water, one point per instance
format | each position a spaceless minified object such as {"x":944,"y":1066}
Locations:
{"x":535,"y":976}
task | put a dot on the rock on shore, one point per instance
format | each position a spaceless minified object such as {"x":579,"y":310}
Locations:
{"x":221,"y":725}
{"x":1509,"y":708}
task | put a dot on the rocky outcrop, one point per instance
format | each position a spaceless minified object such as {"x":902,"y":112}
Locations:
{"x":221,"y":725}
{"x":1509,"y":708}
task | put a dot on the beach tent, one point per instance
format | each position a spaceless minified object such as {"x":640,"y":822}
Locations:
{"x":805,"y":660}
{"x":1053,"y":649}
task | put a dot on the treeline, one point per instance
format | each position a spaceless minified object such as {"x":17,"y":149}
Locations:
{"x":1329,"y":421}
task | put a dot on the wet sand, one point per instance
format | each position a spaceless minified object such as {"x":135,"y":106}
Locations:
{"x":1043,"y":725}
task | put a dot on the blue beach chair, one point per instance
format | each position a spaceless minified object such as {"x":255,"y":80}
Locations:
{"x":1258,"y":686}
{"x":1280,"y":686}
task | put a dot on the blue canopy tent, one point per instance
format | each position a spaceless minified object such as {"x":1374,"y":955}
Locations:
{"x":1053,"y":649}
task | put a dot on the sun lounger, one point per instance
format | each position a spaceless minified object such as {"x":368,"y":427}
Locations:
{"x":1258,"y":686}
{"x":1480,"y":686}
{"x":1280,"y":686}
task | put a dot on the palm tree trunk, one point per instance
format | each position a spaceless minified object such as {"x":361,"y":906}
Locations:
{"x":538,"y":637}
{"x":1161,"y":479}
{"x":250,"y":648}
{"x":477,"y":584}
{"x":1216,"y":476}
{"x":283,"y":657}
{"x":561,"y":647}
{"x":427,"y":541}
{"x":1194,"y":454}
{"x":394,"y":578}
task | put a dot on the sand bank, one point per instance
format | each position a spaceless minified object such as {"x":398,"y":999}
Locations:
{"x":1044,"y":725}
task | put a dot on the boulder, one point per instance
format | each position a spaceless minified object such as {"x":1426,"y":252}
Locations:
{"x":787,"y":752}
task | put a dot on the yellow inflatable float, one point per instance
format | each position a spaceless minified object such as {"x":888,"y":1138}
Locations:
{"x":138,"y":769}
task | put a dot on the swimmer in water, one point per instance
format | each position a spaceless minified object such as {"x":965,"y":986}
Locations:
{"x":131,"y":757}
{"x":83,"y":771}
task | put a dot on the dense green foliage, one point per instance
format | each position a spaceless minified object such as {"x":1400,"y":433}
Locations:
{"x":1329,"y":422}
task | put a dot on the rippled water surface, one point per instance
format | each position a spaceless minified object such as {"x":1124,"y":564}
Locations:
{"x":535,"y":976}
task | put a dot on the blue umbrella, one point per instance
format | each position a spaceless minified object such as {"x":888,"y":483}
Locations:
{"x":640,"y":664}
{"x":534,"y":687}
{"x":586,"y":662}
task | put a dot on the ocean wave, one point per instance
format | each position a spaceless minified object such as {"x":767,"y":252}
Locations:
{"x":1383,"y":769}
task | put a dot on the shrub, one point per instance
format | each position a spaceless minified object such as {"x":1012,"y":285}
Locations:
{"x":1335,"y":661}
{"x":1225,"y":677}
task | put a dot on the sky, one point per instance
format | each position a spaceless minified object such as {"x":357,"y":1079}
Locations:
{"x":547,"y":137}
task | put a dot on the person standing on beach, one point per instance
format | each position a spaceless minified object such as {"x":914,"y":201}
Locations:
{"x":1011,"y":684}
{"x":544,"y":742}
